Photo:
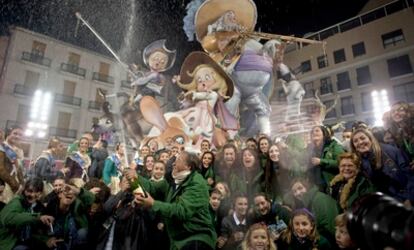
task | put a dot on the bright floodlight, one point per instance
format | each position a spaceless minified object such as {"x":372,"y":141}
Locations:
{"x":39,"y":114}
{"x":28,"y":132}
{"x":381,"y":105}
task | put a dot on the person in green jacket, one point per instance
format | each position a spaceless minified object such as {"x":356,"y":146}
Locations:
{"x":324,"y":152}
{"x":349,"y":184}
{"x":113,"y":168}
{"x":322,"y":205}
{"x":20,"y":219}
{"x":207,"y":167}
{"x":183,"y":205}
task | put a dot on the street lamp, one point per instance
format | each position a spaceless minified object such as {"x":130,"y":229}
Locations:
{"x":381,"y":105}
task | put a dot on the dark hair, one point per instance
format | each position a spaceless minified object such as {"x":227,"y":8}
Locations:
{"x":215,"y":191}
{"x":229,"y":145}
{"x":263,"y":138}
{"x":213,"y":158}
{"x":237,"y":195}
{"x":326,"y":135}
{"x":10,"y":129}
{"x":36,"y":183}
{"x":104,"y":143}
{"x":191,"y":160}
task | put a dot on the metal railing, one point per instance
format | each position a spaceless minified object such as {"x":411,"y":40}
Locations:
{"x":94,"y":105}
{"x":102,"y":78}
{"x":20,"y":89}
{"x":73,"y":68}
{"x":71,"y":100}
{"x":36,"y":58}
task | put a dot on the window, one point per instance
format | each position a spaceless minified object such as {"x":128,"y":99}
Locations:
{"x":404,"y":92}
{"x":399,"y":66}
{"x":23,"y":113}
{"x":309,"y":91}
{"x":38,"y":48}
{"x":306,"y":66}
{"x":343,"y":81}
{"x":392,"y":38}
{"x":366,"y":102}
{"x":332,"y":113}
{"x":322,"y":61}
{"x":31,"y":80}
{"x":326,"y":86}
{"x":73,"y":59}
{"x":363,"y":75}
{"x":358,"y":49}
{"x":347,"y":106}
{"x":339,"y":56}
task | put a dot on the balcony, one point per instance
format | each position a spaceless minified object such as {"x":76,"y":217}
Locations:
{"x":71,"y":100}
{"x":11,"y":123}
{"x":20,"y":89}
{"x":73,"y":68}
{"x":93,"y":105}
{"x":102,"y":78}
{"x":63,"y":132}
{"x":126,"y":84}
{"x":36,"y":58}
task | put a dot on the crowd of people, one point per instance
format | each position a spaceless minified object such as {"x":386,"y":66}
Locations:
{"x":256,"y":193}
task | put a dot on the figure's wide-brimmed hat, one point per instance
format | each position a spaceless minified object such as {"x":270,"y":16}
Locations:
{"x":196,"y":58}
{"x":159,"y":45}
{"x":211,"y":10}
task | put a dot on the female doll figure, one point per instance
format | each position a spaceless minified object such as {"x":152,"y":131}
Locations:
{"x":302,"y":234}
{"x":258,"y":238}
{"x":11,"y":157}
{"x":158,"y":59}
{"x":77,"y":164}
{"x":114,"y":166}
{"x":207,"y":85}
{"x":349,"y":184}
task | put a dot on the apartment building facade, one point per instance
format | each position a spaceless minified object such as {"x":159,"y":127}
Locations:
{"x":373,"y":51}
{"x":31,"y":61}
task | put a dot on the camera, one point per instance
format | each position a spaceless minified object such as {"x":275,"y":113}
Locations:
{"x":377,"y":221}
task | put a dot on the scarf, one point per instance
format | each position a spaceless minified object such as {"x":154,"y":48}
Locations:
{"x":180,"y":177}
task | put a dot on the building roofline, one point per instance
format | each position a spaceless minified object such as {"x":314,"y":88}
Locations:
{"x":347,"y":20}
{"x":18,"y":28}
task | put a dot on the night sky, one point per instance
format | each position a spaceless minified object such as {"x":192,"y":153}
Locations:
{"x":156,"y":19}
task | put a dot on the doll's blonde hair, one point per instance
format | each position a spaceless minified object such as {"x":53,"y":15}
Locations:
{"x":220,"y":85}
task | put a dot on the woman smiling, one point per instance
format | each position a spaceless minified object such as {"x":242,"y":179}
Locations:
{"x":349,"y":184}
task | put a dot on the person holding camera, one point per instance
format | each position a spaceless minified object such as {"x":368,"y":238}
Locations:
{"x":183,"y":204}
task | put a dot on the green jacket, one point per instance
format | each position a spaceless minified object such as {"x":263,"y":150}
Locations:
{"x":109,"y":170}
{"x":250,"y":188}
{"x":361,"y":186}
{"x":324,"y":208}
{"x":329,"y":161}
{"x":185,"y":210}
{"x":13,"y":218}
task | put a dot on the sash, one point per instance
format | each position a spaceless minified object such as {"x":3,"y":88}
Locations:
{"x":11,"y":155}
{"x":118,"y":164}
{"x":81,"y":162}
